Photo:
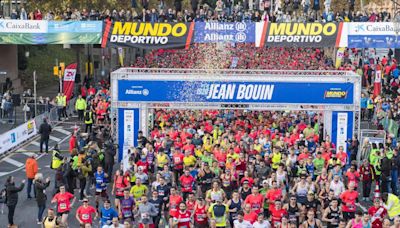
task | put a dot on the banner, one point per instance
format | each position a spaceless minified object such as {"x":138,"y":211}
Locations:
{"x":148,"y":35}
{"x":372,"y":35}
{"x":341,"y":134}
{"x":17,"y":135}
{"x":298,"y":34}
{"x":69,"y":80}
{"x":23,"y":26}
{"x":215,"y":32}
{"x":235,"y":92}
{"x":50,"y":32}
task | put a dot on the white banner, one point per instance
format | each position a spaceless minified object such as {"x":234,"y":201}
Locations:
{"x":23,"y":26}
{"x":128,"y":137}
{"x":341,"y":134}
{"x":17,"y":135}
{"x":371,"y":28}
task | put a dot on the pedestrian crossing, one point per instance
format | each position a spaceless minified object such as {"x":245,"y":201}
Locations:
{"x":16,"y":160}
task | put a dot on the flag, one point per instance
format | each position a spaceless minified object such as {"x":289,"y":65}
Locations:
{"x":121,"y":56}
{"x":339,"y":57}
{"x":69,"y":80}
{"x":377,"y":82}
{"x":393,"y":127}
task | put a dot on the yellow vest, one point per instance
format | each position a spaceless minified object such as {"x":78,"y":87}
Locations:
{"x":55,"y":162}
{"x":80,"y":104}
{"x":64,"y":100}
{"x":91,"y":119}
{"x":395,"y":209}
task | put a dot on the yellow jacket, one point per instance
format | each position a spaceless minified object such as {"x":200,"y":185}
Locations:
{"x":80,"y":104}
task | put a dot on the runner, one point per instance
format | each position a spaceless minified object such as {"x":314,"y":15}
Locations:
{"x":126,"y":207}
{"x":107,"y":214}
{"x":200,"y":214}
{"x":182,"y":218}
{"x":84,"y":214}
{"x":120,"y":184}
{"x":64,"y":204}
{"x":218,"y":212}
{"x":101,"y":188}
{"x":146,"y":213}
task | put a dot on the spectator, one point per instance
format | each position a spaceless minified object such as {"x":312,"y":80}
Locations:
{"x":12,"y":198}
{"x":31,"y":168}
{"x":44,"y":131}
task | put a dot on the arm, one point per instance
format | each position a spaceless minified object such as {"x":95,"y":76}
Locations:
{"x":77,"y":217}
{"x":325,"y":216}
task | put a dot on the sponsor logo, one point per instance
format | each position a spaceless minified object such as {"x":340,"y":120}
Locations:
{"x":13,"y":138}
{"x":30,"y":127}
{"x":333,"y":93}
{"x":146,"y":33}
{"x":300,"y":32}
{"x":23,"y":26}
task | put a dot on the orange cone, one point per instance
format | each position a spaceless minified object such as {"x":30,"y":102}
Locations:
{"x":377,"y":193}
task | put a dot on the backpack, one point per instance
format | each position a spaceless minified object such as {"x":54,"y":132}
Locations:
{"x":219,"y":210}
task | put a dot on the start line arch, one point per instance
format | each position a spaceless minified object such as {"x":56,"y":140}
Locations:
{"x":136,"y":91}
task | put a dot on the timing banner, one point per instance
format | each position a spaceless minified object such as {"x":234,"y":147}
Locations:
{"x":298,"y":34}
{"x":235,"y":92}
{"x":147,"y":35}
{"x":215,"y":32}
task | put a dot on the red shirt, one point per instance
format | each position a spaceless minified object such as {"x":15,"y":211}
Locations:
{"x":174,"y":202}
{"x":250,"y":217}
{"x":183,"y":219}
{"x":342,"y":156}
{"x":85,"y":214}
{"x":272,"y":195}
{"x":349,"y":201}
{"x":187,"y":183}
{"x":63,"y":201}
{"x":353,"y":177}
{"x":121,"y":182}
{"x":178,"y":160}
{"x":376,"y":215}
{"x":143,"y":164}
{"x":256,"y":202}
{"x":200,"y":215}
{"x":276,"y":217}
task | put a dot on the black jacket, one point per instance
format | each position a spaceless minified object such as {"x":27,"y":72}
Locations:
{"x":386,"y":166}
{"x":12,"y":193}
{"x":40,"y":194}
{"x":45,"y":130}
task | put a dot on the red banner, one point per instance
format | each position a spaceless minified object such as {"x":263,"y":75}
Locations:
{"x":69,"y":80}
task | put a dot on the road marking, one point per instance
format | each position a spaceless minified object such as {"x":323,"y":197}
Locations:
{"x":40,"y":156}
{"x":65,"y":132}
{"x":55,"y":138}
{"x":35,"y":143}
{"x":13,"y":162}
{"x":24,"y":151}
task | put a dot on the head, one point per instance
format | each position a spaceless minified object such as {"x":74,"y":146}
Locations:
{"x":182,"y":207}
{"x":107,"y":204}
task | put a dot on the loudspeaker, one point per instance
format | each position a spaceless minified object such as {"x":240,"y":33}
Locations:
{"x":16,"y":99}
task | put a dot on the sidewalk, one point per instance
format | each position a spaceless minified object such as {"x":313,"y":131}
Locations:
{"x":19,"y":118}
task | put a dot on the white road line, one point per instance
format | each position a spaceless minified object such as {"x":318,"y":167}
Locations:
{"x":65,"y":132}
{"x":24,"y":151}
{"x":13,"y":162}
{"x":35,"y":143}
{"x":55,"y":138}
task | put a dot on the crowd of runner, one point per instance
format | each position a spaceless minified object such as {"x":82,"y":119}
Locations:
{"x":221,"y":10}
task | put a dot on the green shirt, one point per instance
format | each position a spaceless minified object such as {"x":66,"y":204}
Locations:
{"x":319,"y":164}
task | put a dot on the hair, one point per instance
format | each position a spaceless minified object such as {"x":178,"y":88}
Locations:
{"x":38,"y":177}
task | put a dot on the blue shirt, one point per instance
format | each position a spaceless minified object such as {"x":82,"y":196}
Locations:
{"x":100,"y":181}
{"x":107,"y":215}
{"x":396,"y":73}
{"x":364,"y":102}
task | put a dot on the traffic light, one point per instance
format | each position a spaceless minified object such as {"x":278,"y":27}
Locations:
{"x":55,"y":71}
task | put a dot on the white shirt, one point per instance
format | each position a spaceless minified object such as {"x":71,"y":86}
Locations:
{"x":337,"y":188}
{"x":243,"y":224}
{"x":265,"y":224}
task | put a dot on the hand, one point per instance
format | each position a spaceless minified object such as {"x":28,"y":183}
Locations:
{"x":23,"y":181}
{"x":48,"y":179}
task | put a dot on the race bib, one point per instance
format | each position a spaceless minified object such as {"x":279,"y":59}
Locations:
{"x":63,"y":206}
{"x":219,"y":219}
{"x":85,"y":216}
{"x":145,"y":216}
{"x":201,"y":217}
{"x":99,"y":189}
{"x":127,"y":213}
